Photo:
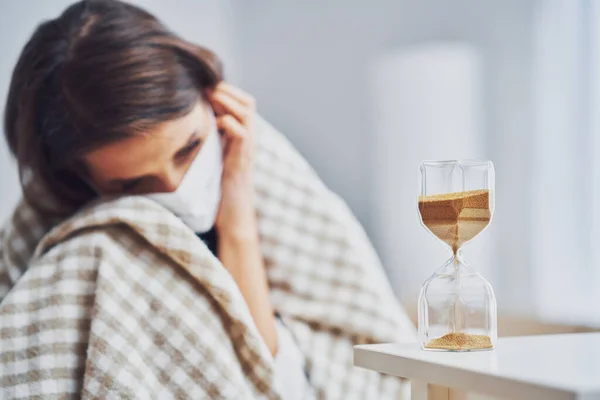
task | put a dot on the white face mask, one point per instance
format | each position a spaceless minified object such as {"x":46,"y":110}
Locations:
{"x":196,"y":200}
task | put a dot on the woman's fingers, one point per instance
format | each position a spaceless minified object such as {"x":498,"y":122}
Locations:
{"x":231,"y":127}
{"x":238,"y":143}
{"x":235,"y":116}
{"x":223,"y":101}
{"x":238,"y":94}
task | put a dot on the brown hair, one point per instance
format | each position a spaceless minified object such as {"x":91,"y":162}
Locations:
{"x":103,"y":70}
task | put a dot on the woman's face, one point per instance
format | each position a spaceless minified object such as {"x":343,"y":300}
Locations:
{"x":150,"y":163}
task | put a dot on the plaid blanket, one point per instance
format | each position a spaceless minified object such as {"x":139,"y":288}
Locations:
{"x":122,"y":300}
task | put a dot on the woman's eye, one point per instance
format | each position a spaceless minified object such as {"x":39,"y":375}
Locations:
{"x":189,"y":148}
{"x":129,"y":186}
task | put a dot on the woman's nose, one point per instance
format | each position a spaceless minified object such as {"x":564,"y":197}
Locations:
{"x":170,"y":181}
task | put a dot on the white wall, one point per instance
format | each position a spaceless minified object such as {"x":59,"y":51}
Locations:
{"x":426,"y":103}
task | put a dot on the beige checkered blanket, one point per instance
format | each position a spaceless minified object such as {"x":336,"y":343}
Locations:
{"x":123,"y":301}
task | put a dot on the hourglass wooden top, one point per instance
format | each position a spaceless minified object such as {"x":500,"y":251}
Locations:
{"x":455,"y":218}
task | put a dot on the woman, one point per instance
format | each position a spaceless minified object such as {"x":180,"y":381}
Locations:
{"x":107,"y":106}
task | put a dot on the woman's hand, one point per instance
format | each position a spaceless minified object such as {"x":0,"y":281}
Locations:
{"x":238,"y":241}
{"x":236,"y":112}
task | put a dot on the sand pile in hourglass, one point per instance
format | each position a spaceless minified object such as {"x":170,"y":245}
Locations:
{"x":456,"y":218}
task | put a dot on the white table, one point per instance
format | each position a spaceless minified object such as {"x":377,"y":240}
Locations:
{"x":553,"y":367}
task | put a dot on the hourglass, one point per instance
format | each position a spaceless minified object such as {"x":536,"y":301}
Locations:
{"x":457,"y":306}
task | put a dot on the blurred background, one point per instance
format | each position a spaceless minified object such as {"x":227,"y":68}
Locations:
{"x":367,"y":89}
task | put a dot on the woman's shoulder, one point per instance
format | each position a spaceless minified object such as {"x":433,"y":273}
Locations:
{"x":66,"y":259}
{"x":19,"y":237}
{"x":31,"y":240}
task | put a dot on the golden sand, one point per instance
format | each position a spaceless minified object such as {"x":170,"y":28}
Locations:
{"x":456,"y":218}
{"x":460,"y":341}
